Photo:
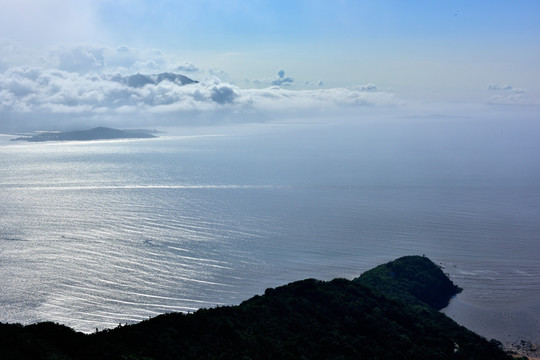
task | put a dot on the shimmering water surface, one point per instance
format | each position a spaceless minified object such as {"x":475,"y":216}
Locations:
{"x":94,"y":234}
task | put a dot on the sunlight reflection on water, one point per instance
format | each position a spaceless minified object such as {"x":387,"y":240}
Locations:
{"x":97,"y":234}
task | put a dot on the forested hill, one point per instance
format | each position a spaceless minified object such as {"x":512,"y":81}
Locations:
{"x":412,"y":279}
{"x":389,"y":312}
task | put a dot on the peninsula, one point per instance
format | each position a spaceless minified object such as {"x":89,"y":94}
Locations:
{"x":390,"y":312}
{"x":98,"y":133}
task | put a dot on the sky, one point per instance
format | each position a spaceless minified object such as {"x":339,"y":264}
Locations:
{"x":264,"y":59}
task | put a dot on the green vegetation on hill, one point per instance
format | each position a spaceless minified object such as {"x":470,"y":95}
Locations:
{"x":412,"y":279}
{"x":366,"y":318}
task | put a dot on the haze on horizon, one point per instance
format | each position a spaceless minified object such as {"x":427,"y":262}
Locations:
{"x":266,"y":60}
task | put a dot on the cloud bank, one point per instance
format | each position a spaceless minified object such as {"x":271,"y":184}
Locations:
{"x":99,"y":85}
{"x":28,"y":94}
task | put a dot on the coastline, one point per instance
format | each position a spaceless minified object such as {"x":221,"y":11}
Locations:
{"x":338,"y":318}
{"x":523,"y":348}
{"x":499,"y":301}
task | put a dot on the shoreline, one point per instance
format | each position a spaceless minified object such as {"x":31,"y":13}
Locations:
{"x":513,"y":323}
{"x":523,"y":348}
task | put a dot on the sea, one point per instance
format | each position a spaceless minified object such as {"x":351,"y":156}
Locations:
{"x":99,"y":234}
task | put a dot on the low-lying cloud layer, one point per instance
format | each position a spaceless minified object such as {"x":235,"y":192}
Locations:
{"x":100,"y":86}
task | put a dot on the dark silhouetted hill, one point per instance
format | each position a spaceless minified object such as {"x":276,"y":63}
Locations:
{"x":411,"y":279}
{"x":309,"y":319}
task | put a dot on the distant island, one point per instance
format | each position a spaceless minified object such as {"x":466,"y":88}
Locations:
{"x":389,"y":312}
{"x":98,"y":133}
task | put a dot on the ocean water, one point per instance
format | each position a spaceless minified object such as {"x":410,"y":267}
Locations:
{"x":97,"y":234}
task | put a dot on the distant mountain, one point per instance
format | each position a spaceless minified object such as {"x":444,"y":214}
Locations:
{"x":98,"y":133}
{"x":140,"y":80}
{"x":365,"y":318}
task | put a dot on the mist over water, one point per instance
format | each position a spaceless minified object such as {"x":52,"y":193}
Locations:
{"x":94,"y":234}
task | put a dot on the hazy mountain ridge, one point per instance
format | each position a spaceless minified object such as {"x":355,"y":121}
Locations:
{"x":140,"y":80}
{"x":309,"y":319}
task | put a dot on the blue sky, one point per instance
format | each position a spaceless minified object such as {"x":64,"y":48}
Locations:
{"x":338,"y":41}
{"x":417,"y":51}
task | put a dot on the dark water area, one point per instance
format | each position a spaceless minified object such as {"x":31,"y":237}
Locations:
{"x":94,"y":234}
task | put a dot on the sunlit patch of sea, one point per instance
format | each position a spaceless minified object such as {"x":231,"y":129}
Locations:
{"x":94,"y":234}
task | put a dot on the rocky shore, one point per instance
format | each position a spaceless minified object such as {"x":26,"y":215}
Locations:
{"x":523,"y":348}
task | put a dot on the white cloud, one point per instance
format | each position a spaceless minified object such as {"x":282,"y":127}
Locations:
{"x":368,"y":87}
{"x":281,"y":80}
{"x":277,"y":80}
{"x":497,"y":87}
{"x":223,"y":94}
{"x":277,"y":98}
{"x":91,"y":83}
{"x":124,"y":60}
{"x":91,"y":58}
{"x":82,"y":59}
{"x":508,"y":95}
{"x":12,"y":53}
{"x":7,"y":48}
{"x":186,"y":67}
{"x":506,"y":88}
